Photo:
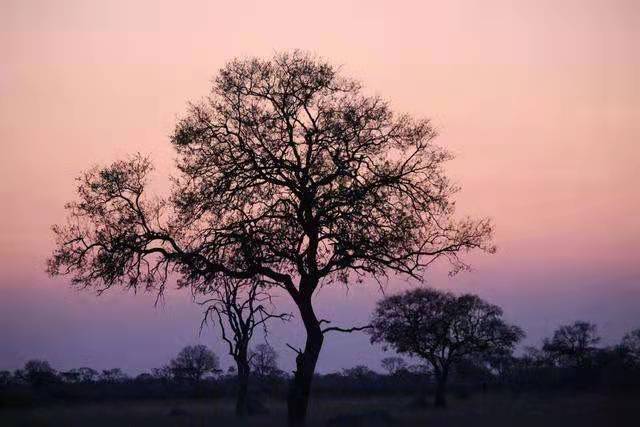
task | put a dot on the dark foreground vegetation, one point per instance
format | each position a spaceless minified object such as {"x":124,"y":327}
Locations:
{"x":496,"y":409}
{"x":568,"y":381}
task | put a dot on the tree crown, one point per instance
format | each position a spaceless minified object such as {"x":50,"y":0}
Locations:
{"x":442,"y":327}
{"x":288,"y":172}
{"x":193,"y":362}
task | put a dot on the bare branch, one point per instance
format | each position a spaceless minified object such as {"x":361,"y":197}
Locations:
{"x":346,"y":330}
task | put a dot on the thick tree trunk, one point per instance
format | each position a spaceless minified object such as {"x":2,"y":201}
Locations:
{"x":243,"y":389}
{"x":300,"y":387}
{"x":441,"y":389}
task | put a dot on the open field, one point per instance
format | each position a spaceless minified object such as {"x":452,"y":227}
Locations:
{"x":494,"y":410}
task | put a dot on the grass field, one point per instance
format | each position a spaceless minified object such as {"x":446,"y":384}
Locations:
{"x":494,"y":410}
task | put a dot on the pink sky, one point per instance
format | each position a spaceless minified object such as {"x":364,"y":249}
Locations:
{"x":540,"y":100}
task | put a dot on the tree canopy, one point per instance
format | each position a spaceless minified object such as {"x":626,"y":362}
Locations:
{"x":193,"y":362}
{"x":287,"y":170}
{"x":289,"y":173}
{"x":442,"y":328}
{"x":264,"y":360}
{"x":572,"y":344}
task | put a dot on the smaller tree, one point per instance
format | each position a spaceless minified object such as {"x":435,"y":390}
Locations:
{"x":144,"y":378}
{"x":39,"y":373}
{"x":393,"y":364}
{"x":533,"y":357}
{"x":87,"y":375}
{"x":72,"y":376}
{"x":80,"y":375}
{"x":240,"y":307}
{"x":5,"y":378}
{"x":194,"y":362}
{"x":114,"y":375}
{"x":358,"y":372}
{"x":631,"y":347}
{"x":572,"y":345}
{"x":442,"y":329}
{"x":163,"y":373}
{"x":264,"y":360}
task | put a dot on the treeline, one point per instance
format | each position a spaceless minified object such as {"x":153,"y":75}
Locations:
{"x":570,"y":359}
{"x":194,"y":373}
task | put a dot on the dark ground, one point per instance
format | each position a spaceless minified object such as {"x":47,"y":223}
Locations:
{"x":493,"y":409}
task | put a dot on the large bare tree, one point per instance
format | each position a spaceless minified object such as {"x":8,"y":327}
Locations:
{"x":289,"y":173}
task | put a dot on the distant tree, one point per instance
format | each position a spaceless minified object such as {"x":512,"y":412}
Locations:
{"x":5,"y":378}
{"x":240,"y":307}
{"x":359,"y":372}
{"x":264,"y":360}
{"x":393,"y":364}
{"x":72,"y":376}
{"x":87,"y":375}
{"x":572,"y":345}
{"x":114,"y":375}
{"x":631,"y":346}
{"x":163,"y":373}
{"x":442,"y":329}
{"x":39,"y":373}
{"x":144,"y":377}
{"x":80,"y":375}
{"x":194,"y":362}
{"x":533,"y":357}
{"x":289,"y":173}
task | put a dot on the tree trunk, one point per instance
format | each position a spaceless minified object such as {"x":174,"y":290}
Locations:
{"x":441,"y":389}
{"x":243,"y":388}
{"x":300,"y":386}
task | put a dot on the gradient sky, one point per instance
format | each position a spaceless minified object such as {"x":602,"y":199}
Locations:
{"x":539,"y":100}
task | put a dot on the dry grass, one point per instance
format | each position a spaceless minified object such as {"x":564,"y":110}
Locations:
{"x":495,"y":410}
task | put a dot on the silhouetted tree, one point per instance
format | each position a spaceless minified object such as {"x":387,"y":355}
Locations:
{"x":289,"y":173}
{"x":264,"y":360}
{"x":80,"y":375}
{"x":5,"y":378}
{"x":39,"y":373}
{"x":631,"y":347}
{"x":114,"y":375}
{"x":71,"y":376}
{"x":193,"y":362}
{"x":572,"y":345}
{"x":87,"y":375}
{"x":144,"y":377}
{"x":535,"y":357}
{"x":442,"y":329}
{"x":393,"y":364}
{"x":359,"y":372}
{"x":162,"y":373}
{"x":241,"y":306}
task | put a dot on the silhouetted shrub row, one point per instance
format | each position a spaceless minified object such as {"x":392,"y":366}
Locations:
{"x":569,"y":360}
